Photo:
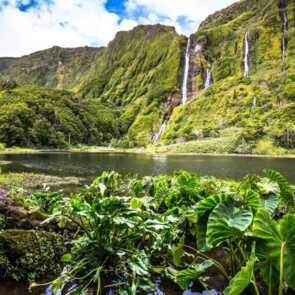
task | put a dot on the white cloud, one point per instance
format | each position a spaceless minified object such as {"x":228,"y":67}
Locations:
{"x":85,"y":22}
{"x":194,"y":11}
{"x":72,"y":23}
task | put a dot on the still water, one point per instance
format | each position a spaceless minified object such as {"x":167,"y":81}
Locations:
{"x":89,"y":165}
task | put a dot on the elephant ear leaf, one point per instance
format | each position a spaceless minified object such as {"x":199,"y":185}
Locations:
{"x":242,"y":279}
{"x":277,"y":243}
{"x":208,"y":204}
{"x":269,"y":203}
{"x":227,"y":222}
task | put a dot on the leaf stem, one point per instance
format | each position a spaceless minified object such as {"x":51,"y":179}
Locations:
{"x":281,"y":287}
{"x":218,"y":265}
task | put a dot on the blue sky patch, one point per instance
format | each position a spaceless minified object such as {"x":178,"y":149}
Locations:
{"x":116,"y":6}
{"x":26,"y":5}
{"x":3,"y":3}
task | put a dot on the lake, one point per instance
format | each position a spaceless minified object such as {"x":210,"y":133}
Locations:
{"x":89,"y":165}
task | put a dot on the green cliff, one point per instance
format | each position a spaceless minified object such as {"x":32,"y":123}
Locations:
{"x":56,"y":67}
{"x":138,"y":74}
{"x":257,"y":108}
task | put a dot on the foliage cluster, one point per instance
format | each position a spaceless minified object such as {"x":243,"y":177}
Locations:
{"x":131,"y":231}
{"x":37,"y":116}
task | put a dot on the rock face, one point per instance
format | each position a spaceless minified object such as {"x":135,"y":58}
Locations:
{"x":244,"y":51}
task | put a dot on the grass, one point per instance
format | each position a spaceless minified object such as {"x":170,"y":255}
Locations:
{"x":212,"y":146}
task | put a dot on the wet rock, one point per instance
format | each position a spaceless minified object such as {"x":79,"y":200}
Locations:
{"x":287,"y":139}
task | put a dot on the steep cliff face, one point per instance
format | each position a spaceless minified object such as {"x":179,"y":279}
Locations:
{"x":62,"y":68}
{"x":241,"y":75}
{"x":140,"y":74}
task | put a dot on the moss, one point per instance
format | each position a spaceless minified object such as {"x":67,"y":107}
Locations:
{"x":29,"y":254}
{"x":30,"y":181}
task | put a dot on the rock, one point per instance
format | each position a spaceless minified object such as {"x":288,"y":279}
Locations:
{"x":287,"y":139}
{"x":198,"y":133}
{"x":19,"y":217}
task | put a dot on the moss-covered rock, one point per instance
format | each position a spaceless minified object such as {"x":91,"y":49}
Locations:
{"x":29,"y":254}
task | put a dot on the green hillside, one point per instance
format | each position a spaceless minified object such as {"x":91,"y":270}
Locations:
{"x":258,"y":108}
{"x":56,"y":67}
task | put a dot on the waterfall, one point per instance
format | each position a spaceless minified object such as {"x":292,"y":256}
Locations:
{"x":186,"y":72}
{"x":208,"y":76}
{"x":246,"y":56}
{"x":157,"y":136}
{"x":284,"y":21}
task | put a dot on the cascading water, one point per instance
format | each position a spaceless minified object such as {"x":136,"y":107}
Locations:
{"x":157,"y":136}
{"x":246,"y":55}
{"x":284,"y":21}
{"x":186,"y":72}
{"x":208,"y":76}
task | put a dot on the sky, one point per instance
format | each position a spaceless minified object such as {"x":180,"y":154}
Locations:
{"x":27,"y":26}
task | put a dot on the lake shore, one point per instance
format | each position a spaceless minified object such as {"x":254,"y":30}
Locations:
{"x":146,"y":151}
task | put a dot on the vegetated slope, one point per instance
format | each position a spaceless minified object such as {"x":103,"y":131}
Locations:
{"x":38,"y":116}
{"x":139,"y":73}
{"x":254,"y":109}
{"x":56,"y":67}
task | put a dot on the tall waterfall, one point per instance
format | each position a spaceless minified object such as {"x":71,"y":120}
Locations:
{"x":208,"y":76}
{"x":186,"y":72}
{"x":157,"y":136}
{"x":246,"y":55}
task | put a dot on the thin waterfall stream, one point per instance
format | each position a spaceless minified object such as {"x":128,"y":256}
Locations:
{"x":284,"y":21}
{"x":163,"y":127}
{"x":208,"y":76}
{"x":186,"y":72}
{"x":254,"y":102}
{"x":159,"y":133}
{"x":246,"y":55}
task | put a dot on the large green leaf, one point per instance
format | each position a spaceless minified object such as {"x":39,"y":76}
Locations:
{"x":208,"y":204}
{"x":227,"y":222}
{"x":242,"y":279}
{"x":269,"y":203}
{"x":276,"y":238}
{"x":185,"y":277}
